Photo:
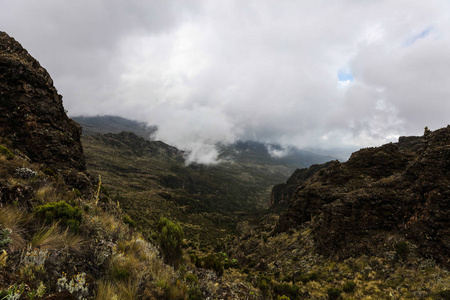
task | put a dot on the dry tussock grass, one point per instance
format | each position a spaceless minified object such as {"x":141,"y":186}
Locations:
{"x":12,"y":218}
{"x":116,"y":290}
{"x":46,"y":194}
{"x":53,"y":237}
{"x":106,"y":291}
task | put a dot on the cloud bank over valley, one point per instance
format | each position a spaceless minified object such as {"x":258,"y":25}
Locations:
{"x":312,"y":74}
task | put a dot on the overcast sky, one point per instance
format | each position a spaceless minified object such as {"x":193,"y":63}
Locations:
{"x":308,"y":73}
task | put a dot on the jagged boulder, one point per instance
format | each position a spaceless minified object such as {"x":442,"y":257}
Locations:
{"x":32,"y":115}
{"x":399,"y":189}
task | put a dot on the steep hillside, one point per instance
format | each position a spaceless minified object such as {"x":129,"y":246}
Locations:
{"x":259,"y":153}
{"x":114,"y":124}
{"x":282,"y":193}
{"x":374,"y":227}
{"x":61,"y":234}
{"x":399,"y":188}
{"x":32,"y":116}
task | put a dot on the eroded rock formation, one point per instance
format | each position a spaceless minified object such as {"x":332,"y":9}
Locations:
{"x":32,"y":115}
{"x":398,"y":189}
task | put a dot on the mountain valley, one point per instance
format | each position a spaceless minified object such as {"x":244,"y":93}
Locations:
{"x":152,"y":176}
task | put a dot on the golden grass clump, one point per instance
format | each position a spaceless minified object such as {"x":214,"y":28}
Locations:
{"x":136,"y":268}
{"x":13,"y":219}
{"x":3,"y":259}
{"x":53,"y":237}
{"x":46,"y":194}
{"x":108,"y":290}
{"x":110,"y":225}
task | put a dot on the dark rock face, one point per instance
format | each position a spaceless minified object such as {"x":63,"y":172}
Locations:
{"x":31,"y":112}
{"x":400,"y":188}
{"x":282,"y":193}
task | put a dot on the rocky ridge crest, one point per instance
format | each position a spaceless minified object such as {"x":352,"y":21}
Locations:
{"x":396,"y":191}
{"x":32,"y":115}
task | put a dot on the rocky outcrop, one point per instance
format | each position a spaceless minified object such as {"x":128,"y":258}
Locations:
{"x":399,"y":189}
{"x":32,"y":115}
{"x":282,"y":193}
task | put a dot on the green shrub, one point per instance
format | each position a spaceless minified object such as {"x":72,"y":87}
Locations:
{"x":127,"y":220}
{"x":191,"y":278}
{"x":170,"y":241}
{"x":349,"y":286}
{"x":171,"y":290}
{"x":6,"y":152}
{"x":402,"y":250}
{"x":305,"y":278}
{"x":252,"y":264}
{"x":213,"y":262}
{"x":277,"y":274}
{"x":103,"y":195}
{"x":5,"y":238}
{"x":120,"y":272}
{"x":230,"y":263}
{"x":284,"y":297}
{"x":195,"y":260}
{"x":49,"y":172}
{"x":195,"y":294}
{"x":286,"y":289}
{"x":77,"y":193}
{"x":442,"y":295}
{"x":263,"y":284}
{"x":68,"y":215}
{"x":334,"y":293}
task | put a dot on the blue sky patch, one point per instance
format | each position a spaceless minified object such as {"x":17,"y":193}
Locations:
{"x":345,"y":75}
{"x":424,"y":33}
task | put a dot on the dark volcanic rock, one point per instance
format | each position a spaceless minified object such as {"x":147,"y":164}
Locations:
{"x":397,"y":189}
{"x":282,"y":193}
{"x":31,"y":112}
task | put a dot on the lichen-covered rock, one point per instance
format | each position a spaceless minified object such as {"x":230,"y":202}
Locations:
{"x":397,"y":189}
{"x":32,"y":115}
{"x":25,"y":173}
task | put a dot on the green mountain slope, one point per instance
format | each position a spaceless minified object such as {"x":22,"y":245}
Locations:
{"x":151,"y":179}
{"x":241,"y":151}
{"x":113,"y":124}
{"x":259,"y":153}
{"x":60,"y":236}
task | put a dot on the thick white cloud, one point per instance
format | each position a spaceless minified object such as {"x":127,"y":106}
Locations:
{"x":209,"y":71}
